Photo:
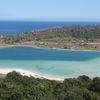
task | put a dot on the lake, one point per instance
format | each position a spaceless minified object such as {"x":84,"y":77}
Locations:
{"x":51,"y":62}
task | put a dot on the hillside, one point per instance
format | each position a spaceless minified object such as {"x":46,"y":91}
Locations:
{"x":74,"y":37}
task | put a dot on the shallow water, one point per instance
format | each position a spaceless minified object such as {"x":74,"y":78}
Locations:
{"x":50,"y":62}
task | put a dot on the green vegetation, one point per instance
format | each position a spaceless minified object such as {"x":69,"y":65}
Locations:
{"x":73,"y":37}
{"x":78,"y":32}
{"x":16,"y":87}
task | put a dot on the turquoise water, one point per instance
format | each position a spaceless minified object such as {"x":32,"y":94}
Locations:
{"x":51,"y":62}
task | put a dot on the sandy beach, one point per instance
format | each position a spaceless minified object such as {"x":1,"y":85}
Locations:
{"x":5,"y":71}
{"x":29,"y":73}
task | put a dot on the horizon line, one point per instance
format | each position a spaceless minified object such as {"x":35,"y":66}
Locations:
{"x":51,"y":20}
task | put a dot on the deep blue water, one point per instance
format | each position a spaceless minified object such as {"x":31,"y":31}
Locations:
{"x":51,"y":62}
{"x":29,"y":53}
{"x":14,"y":27}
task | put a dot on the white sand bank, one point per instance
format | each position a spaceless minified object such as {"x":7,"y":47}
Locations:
{"x":28,"y":73}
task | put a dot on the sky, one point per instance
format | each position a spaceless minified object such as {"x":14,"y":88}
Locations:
{"x":50,"y":10}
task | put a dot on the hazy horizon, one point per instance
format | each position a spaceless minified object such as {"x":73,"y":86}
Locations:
{"x":50,"y":10}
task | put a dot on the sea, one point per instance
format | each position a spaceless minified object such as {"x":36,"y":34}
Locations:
{"x":48,"y":62}
{"x":51,"y":62}
{"x":15,"y":27}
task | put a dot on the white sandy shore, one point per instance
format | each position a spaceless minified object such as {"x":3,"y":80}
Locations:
{"x":28,"y":73}
{"x":5,"y":71}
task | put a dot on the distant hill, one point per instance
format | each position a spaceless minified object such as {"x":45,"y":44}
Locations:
{"x":79,"y":32}
{"x":71,"y":37}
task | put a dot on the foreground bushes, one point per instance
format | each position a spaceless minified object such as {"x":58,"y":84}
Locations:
{"x":17,"y":87}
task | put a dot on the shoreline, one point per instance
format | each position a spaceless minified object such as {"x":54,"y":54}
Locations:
{"x":35,"y":46}
{"x":23,"y":72}
{"x":4,"y":71}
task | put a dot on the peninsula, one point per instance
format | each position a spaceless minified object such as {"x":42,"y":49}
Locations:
{"x":71,"y":37}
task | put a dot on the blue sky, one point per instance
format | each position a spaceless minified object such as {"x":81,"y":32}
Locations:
{"x":52,"y":10}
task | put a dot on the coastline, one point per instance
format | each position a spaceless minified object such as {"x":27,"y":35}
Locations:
{"x":53,"y":48}
{"x":4,"y":71}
